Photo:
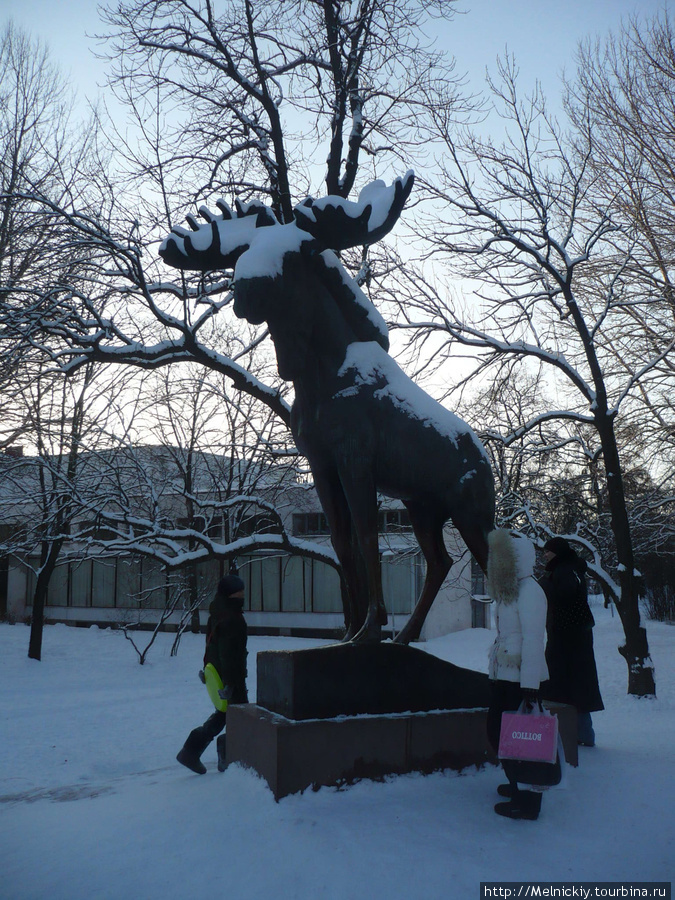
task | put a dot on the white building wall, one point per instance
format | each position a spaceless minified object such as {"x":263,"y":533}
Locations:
{"x":17,"y":611}
{"x":451,"y":610}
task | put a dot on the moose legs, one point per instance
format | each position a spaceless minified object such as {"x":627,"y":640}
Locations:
{"x":358,"y":483}
{"x":345,"y":544}
{"x":428,"y":528}
{"x":429,"y":533}
{"x":349,"y":500}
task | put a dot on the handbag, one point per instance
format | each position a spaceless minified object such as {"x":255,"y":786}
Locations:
{"x":528,"y":747}
{"x":529,"y":735}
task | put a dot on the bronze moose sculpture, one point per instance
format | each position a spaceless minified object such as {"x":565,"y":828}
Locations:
{"x":363,"y":425}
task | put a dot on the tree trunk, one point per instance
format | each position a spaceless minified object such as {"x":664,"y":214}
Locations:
{"x":193,"y":594}
{"x":50,"y":554}
{"x":635,"y":651}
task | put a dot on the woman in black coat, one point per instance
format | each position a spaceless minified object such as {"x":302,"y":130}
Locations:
{"x":226,"y":638}
{"x":573,"y":677}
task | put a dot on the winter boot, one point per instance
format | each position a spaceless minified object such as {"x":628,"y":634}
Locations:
{"x":585,"y":732}
{"x":505,"y":790}
{"x":190,"y":761}
{"x":192,"y":749}
{"x":523,"y":805}
{"x":220,"y":744}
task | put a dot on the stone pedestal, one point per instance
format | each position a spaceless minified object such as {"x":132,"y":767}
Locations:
{"x":294,"y":755}
{"x":352,"y":679}
{"x":332,"y":715}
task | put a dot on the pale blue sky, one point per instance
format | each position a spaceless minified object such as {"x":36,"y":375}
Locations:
{"x":543,"y":34}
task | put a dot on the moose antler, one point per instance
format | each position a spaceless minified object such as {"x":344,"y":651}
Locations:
{"x":338,"y":223}
{"x":333,"y":222}
{"x":218,"y":242}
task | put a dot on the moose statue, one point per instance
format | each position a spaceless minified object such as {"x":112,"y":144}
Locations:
{"x":363,"y":425}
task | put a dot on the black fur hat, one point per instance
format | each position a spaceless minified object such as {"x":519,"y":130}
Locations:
{"x":560,"y":547}
{"x":230,"y":584}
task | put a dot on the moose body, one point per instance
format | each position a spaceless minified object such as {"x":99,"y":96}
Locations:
{"x":363,"y":425}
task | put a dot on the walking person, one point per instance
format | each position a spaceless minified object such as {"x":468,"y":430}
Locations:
{"x":569,"y":626}
{"x":226,"y":637}
{"x":517,"y":664}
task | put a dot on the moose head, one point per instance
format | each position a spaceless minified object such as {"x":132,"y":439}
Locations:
{"x":280,"y":269}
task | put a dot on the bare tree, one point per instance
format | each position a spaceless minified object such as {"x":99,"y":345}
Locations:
{"x":551,"y":267}
{"x":624,"y":96}
{"x":270,"y":89}
{"x":41,"y":150}
{"x":220,"y":103}
{"x":65,"y":420}
{"x":191,"y":413}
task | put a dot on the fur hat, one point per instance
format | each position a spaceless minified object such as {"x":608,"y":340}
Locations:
{"x":511,"y":557}
{"x":560,"y":547}
{"x":230,"y":584}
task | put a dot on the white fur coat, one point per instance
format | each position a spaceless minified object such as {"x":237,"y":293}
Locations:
{"x":520,"y":611}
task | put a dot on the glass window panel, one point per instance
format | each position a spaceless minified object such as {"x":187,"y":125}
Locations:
{"x":477,"y":578}
{"x":80,"y":583}
{"x":245,"y":574}
{"x":252,"y":576}
{"x":398,"y":583}
{"x":153,"y":584}
{"x":128,"y":582}
{"x":57,"y":592}
{"x":307,"y":570}
{"x":208,"y":576}
{"x":103,"y":583}
{"x":326,"y":595}
{"x":31,"y":580}
{"x":178,"y":586}
{"x":292,"y":584}
{"x":270,"y":584}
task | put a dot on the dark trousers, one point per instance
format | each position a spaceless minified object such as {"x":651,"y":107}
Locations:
{"x":200,"y":738}
{"x":506,"y":697}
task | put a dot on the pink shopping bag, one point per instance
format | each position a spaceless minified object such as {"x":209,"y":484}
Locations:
{"x":531,"y":736}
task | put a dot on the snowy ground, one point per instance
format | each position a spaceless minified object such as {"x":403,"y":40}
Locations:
{"x":93,"y":805}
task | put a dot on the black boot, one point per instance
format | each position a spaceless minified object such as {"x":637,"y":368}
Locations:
{"x":192,"y":749}
{"x":523,"y":805}
{"x":220,"y":744}
{"x":505,"y":790}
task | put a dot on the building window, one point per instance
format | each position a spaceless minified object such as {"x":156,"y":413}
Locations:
{"x":480,"y":605}
{"x":216,"y":528}
{"x":393,"y":521}
{"x":477,"y":579}
{"x":98,"y":531}
{"x":389,"y":521}
{"x":197,"y":523}
{"x":259,"y":523}
{"x":310,"y":524}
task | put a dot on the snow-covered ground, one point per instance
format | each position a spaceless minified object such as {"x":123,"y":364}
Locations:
{"x":93,"y":805}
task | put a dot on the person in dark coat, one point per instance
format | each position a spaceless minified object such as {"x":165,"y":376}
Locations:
{"x":226,"y":637}
{"x":573,"y":677}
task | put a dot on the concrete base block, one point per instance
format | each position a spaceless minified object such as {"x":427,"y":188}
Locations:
{"x":293,"y":755}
